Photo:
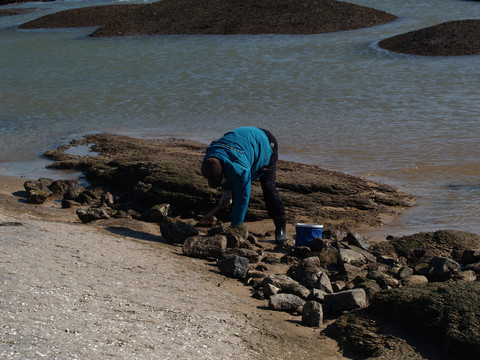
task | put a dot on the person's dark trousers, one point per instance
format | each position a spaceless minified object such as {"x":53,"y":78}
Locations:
{"x":273,"y":201}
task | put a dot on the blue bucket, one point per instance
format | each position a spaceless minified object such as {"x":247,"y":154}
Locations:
{"x":306,"y":232}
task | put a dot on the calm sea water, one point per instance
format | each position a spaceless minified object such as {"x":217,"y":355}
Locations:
{"x":334,"y":100}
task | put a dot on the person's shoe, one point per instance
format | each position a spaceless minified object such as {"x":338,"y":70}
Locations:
{"x":280,"y":225}
{"x":280,"y":234}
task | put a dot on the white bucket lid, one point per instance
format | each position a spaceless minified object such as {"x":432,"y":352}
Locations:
{"x":315,"y":226}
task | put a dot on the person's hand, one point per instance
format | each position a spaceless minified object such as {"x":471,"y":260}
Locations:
{"x":226,"y":199}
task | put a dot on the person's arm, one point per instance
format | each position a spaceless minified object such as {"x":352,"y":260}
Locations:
{"x":241,"y":197}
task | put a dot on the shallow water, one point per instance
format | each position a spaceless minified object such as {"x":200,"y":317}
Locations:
{"x":334,"y":100}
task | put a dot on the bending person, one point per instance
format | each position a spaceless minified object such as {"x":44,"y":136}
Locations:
{"x":234,"y":161}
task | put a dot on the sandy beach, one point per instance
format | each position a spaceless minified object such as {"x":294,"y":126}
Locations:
{"x":114,"y":289}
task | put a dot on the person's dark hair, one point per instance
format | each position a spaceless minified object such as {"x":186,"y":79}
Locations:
{"x":212,"y":171}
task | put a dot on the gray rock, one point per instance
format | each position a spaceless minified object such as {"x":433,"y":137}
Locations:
{"x":134,"y":214}
{"x":286,"y":243}
{"x":368,"y":256}
{"x":467,"y":275}
{"x":253,"y":240}
{"x":442,"y":268}
{"x":269,"y":290}
{"x":92,"y":214}
{"x":46,"y":181}
{"x":370,"y":287}
{"x":85,"y":197}
{"x":107,"y":199}
{"x":234,"y":266}
{"x":333,"y":234}
{"x":347,"y":256}
{"x":386,"y":281}
{"x":237,"y":236}
{"x":387,"y":260}
{"x":415,"y":280}
{"x":158,"y":213}
{"x":312,"y":314}
{"x":36,"y":185}
{"x":286,"y":302}
{"x":37,"y":196}
{"x":338,"y":286}
{"x":317,"y":295}
{"x":351,"y":271}
{"x":288,"y":285}
{"x":357,"y":240}
{"x":257,"y":274}
{"x":66,"y":204}
{"x":347,"y":300}
{"x":72,"y":194}
{"x":58,"y":187}
{"x":177,"y":232}
{"x":306,"y":267}
{"x":328,"y":256}
{"x":323,"y":283}
{"x":205,"y":247}
{"x":404,"y":272}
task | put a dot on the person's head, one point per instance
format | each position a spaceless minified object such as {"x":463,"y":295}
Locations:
{"x":212,"y":170}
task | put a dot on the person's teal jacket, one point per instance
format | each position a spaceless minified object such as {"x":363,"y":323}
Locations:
{"x":243,"y":153}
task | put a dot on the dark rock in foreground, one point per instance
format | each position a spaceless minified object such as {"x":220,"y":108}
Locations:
{"x":445,"y":314}
{"x":218,"y":17}
{"x":422,"y":247}
{"x":460,"y":37}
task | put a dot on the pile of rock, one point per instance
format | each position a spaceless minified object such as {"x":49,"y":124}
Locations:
{"x":38,"y":191}
{"x":93,"y":203}
{"x":334,"y":275}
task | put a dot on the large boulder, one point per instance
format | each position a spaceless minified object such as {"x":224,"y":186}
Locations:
{"x":442,"y":315}
{"x":346,"y":300}
{"x":177,"y":232}
{"x":234,"y":266}
{"x":87,"y":215}
{"x":306,"y":267}
{"x":312,"y":314}
{"x":205,"y":247}
{"x":422,"y":247}
{"x":286,"y":302}
{"x":287,"y":285}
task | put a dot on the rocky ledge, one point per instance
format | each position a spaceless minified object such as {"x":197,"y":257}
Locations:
{"x":218,"y":17}
{"x":460,"y":37}
{"x":144,"y":173}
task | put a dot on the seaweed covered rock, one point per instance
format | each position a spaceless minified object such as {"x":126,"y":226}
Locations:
{"x":144,"y":173}
{"x":217,"y":17}
{"x":460,"y":37}
{"x":422,"y":247}
{"x":441,"y":318}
